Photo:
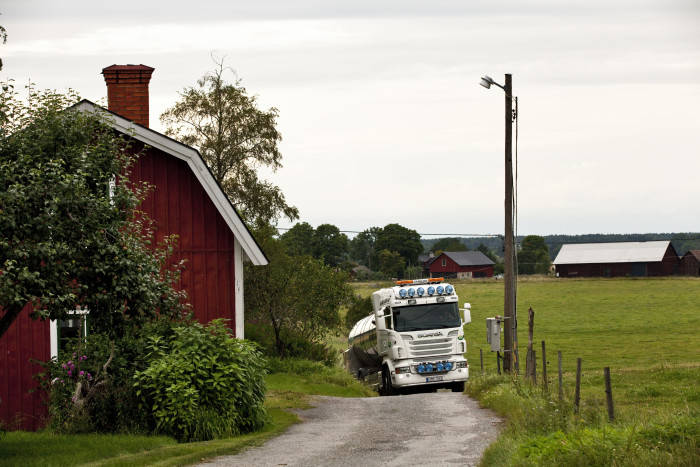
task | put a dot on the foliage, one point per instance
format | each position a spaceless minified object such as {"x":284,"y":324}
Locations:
{"x":298,"y":296}
{"x":69,"y":236}
{"x":3,"y":36}
{"x":362,"y":246}
{"x":201,"y":383}
{"x":325,"y":243}
{"x":358,"y":308}
{"x":448,"y":244}
{"x":391,"y":263}
{"x":295,"y":345}
{"x":103,"y":399}
{"x":396,"y":238}
{"x":533,"y":257}
{"x":299,"y":240}
{"x":235,"y":138}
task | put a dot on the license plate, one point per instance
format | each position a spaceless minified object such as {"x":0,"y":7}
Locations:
{"x":432,"y":379}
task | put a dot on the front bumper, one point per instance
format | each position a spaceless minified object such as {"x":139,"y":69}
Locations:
{"x":439,"y":379}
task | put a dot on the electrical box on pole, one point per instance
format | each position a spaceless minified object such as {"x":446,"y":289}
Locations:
{"x":493,"y":333}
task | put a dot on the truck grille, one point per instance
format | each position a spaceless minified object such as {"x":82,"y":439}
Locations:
{"x":430,"y":347}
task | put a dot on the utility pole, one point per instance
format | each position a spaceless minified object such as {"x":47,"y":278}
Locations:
{"x":510,"y":335}
{"x":510,"y":325}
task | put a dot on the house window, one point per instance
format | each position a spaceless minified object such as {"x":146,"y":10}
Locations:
{"x":444,"y":262}
{"x":73,"y":326}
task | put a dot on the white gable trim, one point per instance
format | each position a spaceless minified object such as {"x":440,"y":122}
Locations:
{"x":194,"y":160}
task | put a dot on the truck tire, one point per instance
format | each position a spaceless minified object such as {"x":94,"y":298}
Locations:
{"x":458,"y":387}
{"x":387,"y":388}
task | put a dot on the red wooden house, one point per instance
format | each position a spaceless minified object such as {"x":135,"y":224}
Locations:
{"x":459,"y":265}
{"x":187,"y":201}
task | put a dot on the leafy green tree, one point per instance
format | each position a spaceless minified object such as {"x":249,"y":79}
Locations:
{"x":358,"y":308}
{"x":235,"y":138}
{"x":330,"y":245}
{"x":399,"y":239}
{"x":391,"y":262}
{"x":533,"y":257}
{"x":449,"y":244}
{"x":299,"y":240}
{"x":69,"y":236}
{"x":298,"y":296}
{"x":361,"y":247}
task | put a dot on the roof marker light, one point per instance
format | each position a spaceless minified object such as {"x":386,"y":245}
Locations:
{"x":449,"y":289}
{"x":411,"y":292}
{"x":420,"y":291}
{"x":440,"y":290}
{"x":402,"y":293}
{"x":431,"y":290}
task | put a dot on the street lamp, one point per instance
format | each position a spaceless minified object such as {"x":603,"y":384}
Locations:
{"x":510,"y":334}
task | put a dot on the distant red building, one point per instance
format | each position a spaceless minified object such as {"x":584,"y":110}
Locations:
{"x":690,"y":263}
{"x":623,"y":259}
{"x":459,"y":265}
{"x":187,"y":201}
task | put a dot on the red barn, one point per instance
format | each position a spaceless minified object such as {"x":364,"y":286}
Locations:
{"x":460,"y":265}
{"x":623,"y":259}
{"x":187,"y":201}
{"x":690,"y":263}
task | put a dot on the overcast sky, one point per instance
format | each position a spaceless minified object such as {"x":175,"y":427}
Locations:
{"x":382,"y":117}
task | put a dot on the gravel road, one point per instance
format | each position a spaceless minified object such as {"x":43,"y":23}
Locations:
{"x":417,"y":429}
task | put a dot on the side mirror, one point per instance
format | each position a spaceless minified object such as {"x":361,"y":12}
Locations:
{"x":467,"y":314}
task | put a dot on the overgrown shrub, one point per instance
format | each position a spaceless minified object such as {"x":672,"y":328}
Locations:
{"x":357,"y":309}
{"x":295,"y":345}
{"x":108,"y":401}
{"x":201,"y":383}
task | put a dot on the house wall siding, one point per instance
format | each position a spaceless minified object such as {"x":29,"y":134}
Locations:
{"x":26,"y":339}
{"x":181,"y":206}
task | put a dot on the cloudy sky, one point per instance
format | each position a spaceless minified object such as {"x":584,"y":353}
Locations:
{"x":381,"y":112}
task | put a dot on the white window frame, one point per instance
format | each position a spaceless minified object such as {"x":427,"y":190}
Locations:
{"x":54,"y":330}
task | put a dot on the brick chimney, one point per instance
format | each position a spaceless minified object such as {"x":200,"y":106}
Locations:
{"x":127,"y":91}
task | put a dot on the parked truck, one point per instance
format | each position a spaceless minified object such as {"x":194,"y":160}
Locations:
{"x":414,"y":339}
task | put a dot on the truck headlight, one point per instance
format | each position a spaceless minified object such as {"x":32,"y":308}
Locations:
{"x":402,"y":370}
{"x":461,"y":365}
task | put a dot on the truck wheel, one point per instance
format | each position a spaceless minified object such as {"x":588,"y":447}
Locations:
{"x":387,"y":388}
{"x":458,"y":387}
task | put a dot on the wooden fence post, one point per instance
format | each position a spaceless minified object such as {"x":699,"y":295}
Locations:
{"x":529,"y":358}
{"x":481,"y":359}
{"x":561,"y":385}
{"x":577,"y":397}
{"x":608,"y":394}
{"x":544,"y":368}
{"x":498,"y":361}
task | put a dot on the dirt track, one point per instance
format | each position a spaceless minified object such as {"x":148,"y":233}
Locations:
{"x":418,"y":429}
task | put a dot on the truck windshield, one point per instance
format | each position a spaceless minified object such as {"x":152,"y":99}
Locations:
{"x":431,"y":316}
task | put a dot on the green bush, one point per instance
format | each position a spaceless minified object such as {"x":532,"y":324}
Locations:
{"x":201,"y":383}
{"x":109,"y":404}
{"x":295,"y":345}
{"x":357,"y":309}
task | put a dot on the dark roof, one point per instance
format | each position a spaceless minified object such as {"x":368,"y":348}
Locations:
{"x":466,"y":258}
